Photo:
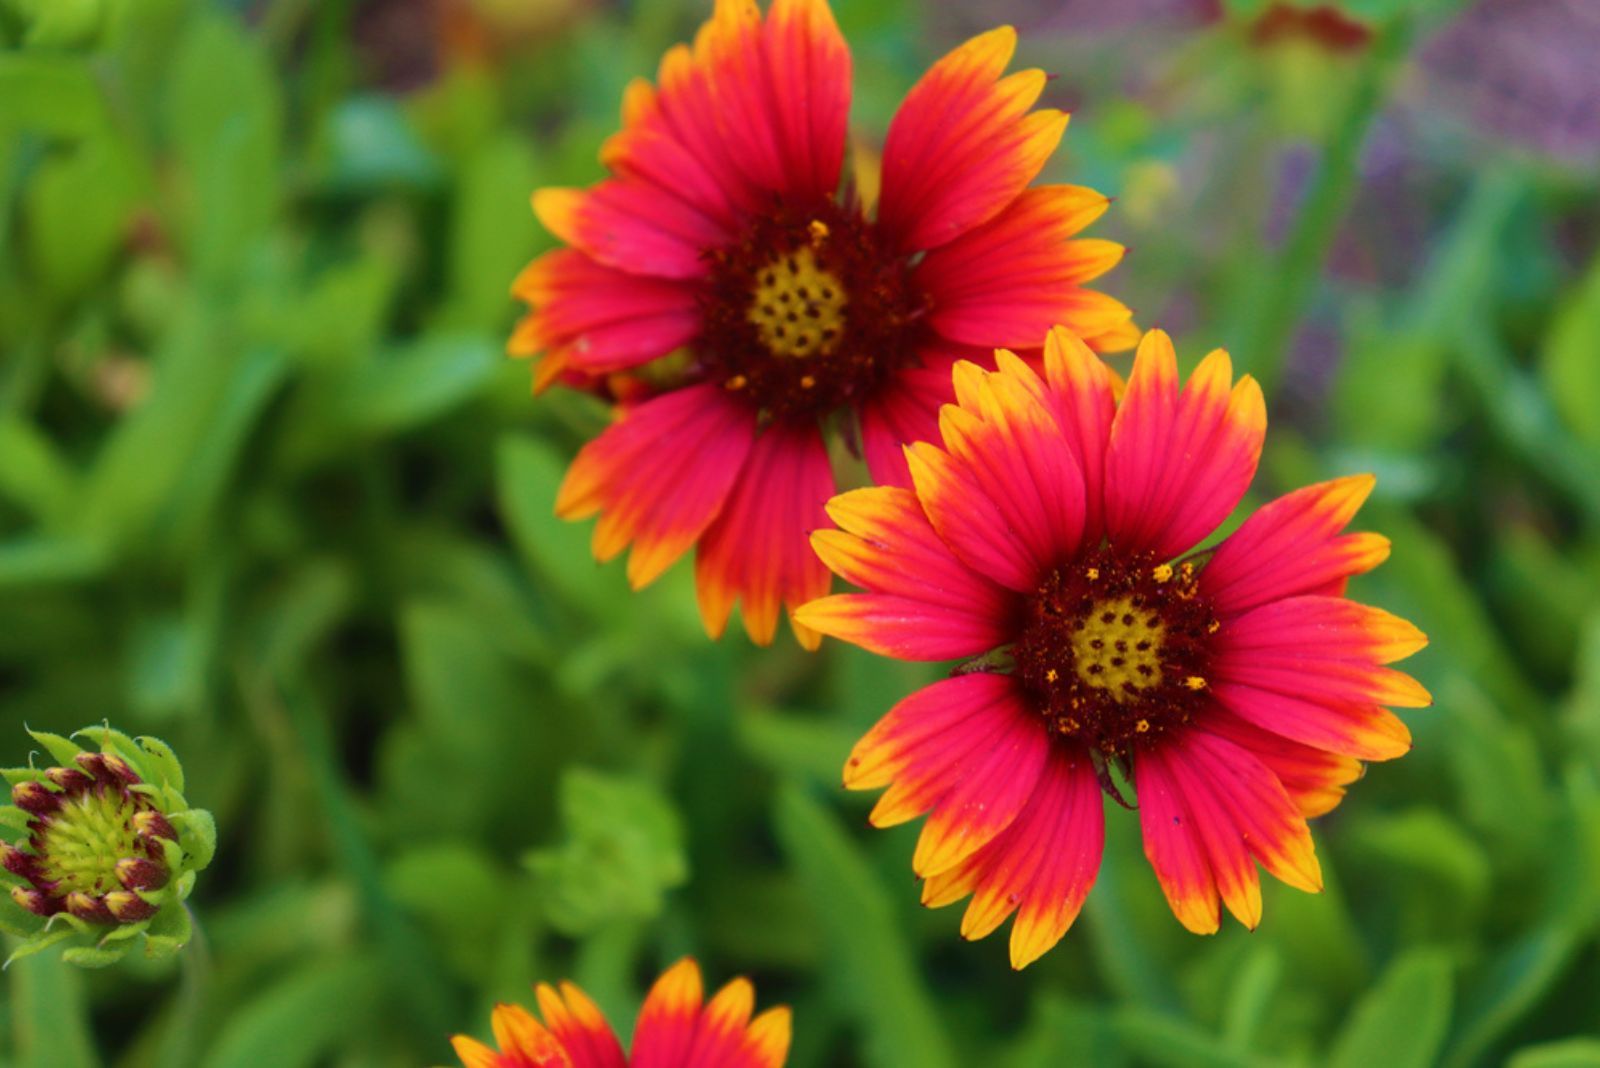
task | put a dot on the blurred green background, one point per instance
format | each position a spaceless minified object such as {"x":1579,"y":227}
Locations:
{"x":269,"y":489}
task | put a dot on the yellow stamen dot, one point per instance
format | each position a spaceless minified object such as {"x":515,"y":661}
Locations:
{"x":1213,"y":627}
{"x":1195,"y":682}
{"x":807,"y":382}
{"x":1162,"y":573}
{"x":1093,"y":573}
{"x":1143,"y":726}
{"x":819,"y":231}
{"x":1118,"y":648}
{"x":1052,"y":675}
{"x":798,"y":307}
{"x":1187,"y":570}
{"x":736,"y":382}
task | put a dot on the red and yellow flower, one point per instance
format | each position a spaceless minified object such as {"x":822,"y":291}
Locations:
{"x":676,"y":1029}
{"x":1235,"y":688}
{"x":723,"y":238}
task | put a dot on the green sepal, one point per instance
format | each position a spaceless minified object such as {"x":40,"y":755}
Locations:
{"x":63,"y":750}
{"x":21,"y":775}
{"x":38,"y":942}
{"x":14,"y":817}
{"x":161,"y":762}
{"x":126,"y":931}
{"x":111,"y":740}
{"x":94,"y":956}
{"x":172,"y":924}
{"x":197,"y":830}
{"x":183,"y":885}
{"x":15,"y":920}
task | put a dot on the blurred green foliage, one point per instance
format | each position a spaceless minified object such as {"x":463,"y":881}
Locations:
{"x":269,"y":490}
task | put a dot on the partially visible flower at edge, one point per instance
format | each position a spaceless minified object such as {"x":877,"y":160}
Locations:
{"x":722,"y":239}
{"x":1053,"y":537}
{"x":111,"y":849}
{"x":674,"y":1030}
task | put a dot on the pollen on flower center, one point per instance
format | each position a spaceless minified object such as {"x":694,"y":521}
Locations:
{"x":798,"y":306}
{"x":1115,"y":649}
{"x":807,"y":312}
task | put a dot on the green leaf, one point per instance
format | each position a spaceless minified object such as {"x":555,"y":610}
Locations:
{"x":1402,"y":1021}
{"x":49,"y":94}
{"x":35,"y":475}
{"x":1165,"y":1040}
{"x":293,"y":1023}
{"x":493,"y":232}
{"x":623,"y":851}
{"x":1565,"y":1053}
{"x":49,"y":1019}
{"x":870,"y":957}
{"x":160,"y":762}
{"x":417,"y":383}
{"x":1571,"y":369}
{"x":527,"y":474}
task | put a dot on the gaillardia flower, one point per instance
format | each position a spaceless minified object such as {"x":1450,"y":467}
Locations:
{"x":111,"y":849}
{"x":675,"y":1030}
{"x":1235,"y":688}
{"x":725,"y":239}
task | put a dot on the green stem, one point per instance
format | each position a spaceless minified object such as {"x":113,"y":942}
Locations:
{"x":430,"y":1004}
{"x":178,"y":1049}
{"x":49,"y":1021}
{"x":1268,"y":332}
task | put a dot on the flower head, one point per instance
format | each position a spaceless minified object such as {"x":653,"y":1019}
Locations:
{"x":675,"y":1030}
{"x":1053,"y":535}
{"x":722,"y":239}
{"x":111,"y":849}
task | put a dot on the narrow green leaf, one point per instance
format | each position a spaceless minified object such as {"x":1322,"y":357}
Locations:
{"x":1402,"y":1021}
{"x":299,"y":1021}
{"x":882,"y":988}
{"x":1565,"y":1053}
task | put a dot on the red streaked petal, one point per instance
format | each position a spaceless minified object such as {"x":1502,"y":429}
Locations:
{"x":659,"y":476}
{"x":904,"y":410}
{"x":577,"y":1021}
{"x":1293,"y":546}
{"x":1041,"y":867}
{"x":1363,"y":730}
{"x":808,"y":63}
{"x":767,"y":1040}
{"x":633,"y":226}
{"x":520,"y":1035}
{"x":1013,"y":449}
{"x":665,"y":1032}
{"x":993,"y":785}
{"x":603,"y":319}
{"x":923,"y":602}
{"x":1007,"y":282}
{"x":1263,"y":816}
{"x":1330,"y":627}
{"x":474,"y":1054}
{"x":1084,"y":395}
{"x":930,"y":721}
{"x":963,"y":144}
{"x":758,"y":550}
{"x":901,"y":627}
{"x":1173,"y":846}
{"x":1314,"y":778}
{"x":720,"y":1035}
{"x":967,"y":519}
{"x":1177,"y":464}
{"x":1226,"y":851}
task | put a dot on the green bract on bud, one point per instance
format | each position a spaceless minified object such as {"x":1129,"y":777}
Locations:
{"x":109,"y":851}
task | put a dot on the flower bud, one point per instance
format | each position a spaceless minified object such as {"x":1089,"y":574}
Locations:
{"x":151,"y":825}
{"x":104,"y":846}
{"x":128,"y":907}
{"x":141,"y":873}
{"x":40,"y":904}
{"x":35,"y":798}
{"x":71,"y":780}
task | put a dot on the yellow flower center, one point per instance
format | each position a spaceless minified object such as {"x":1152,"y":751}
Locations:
{"x":1119,"y":648}
{"x":798,"y":306}
{"x":83,"y":841}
